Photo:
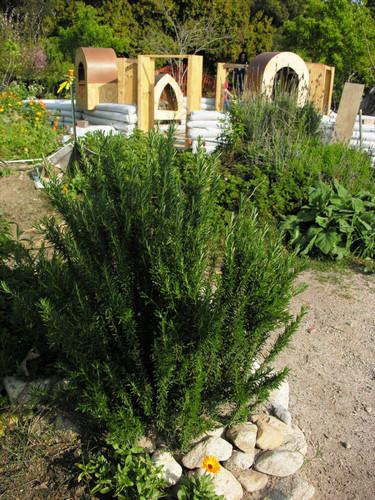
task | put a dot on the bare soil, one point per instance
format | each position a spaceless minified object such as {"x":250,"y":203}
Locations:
{"x":332,"y":362}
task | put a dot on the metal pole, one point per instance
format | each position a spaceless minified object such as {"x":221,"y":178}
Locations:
{"x":360,"y":128}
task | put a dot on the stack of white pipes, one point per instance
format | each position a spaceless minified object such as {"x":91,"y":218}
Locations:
{"x":207,"y":103}
{"x":207,"y":125}
{"x":363,"y":135}
{"x":123,"y":117}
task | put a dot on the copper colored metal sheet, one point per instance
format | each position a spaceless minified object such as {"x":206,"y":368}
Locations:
{"x":101,"y":65}
{"x":256,"y":68}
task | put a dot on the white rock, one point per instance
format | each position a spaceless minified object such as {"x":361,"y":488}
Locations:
{"x":219,"y":432}
{"x":243,"y":436}
{"x":14,"y":387}
{"x":282,"y":414}
{"x":172,"y":471}
{"x":290,"y":488}
{"x":271,"y":431}
{"x":65,"y":424}
{"x":294,"y":440}
{"x":225,"y":484}
{"x":239,"y":461}
{"x":278,"y":463}
{"x":252,"y":480}
{"x":280,"y":396}
{"x":24,"y":392}
{"x":217,"y":447}
{"x":147,"y":443}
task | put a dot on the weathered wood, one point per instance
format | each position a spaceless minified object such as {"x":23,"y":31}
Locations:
{"x":194,"y":86}
{"x":146,"y":78}
{"x":220,"y":82}
{"x":347,"y":112}
{"x":321,"y":85}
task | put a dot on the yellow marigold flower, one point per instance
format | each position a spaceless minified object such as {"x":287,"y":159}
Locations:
{"x":36,"y":118}
{"x":57,"y":118}
{"x":211,"y":464}
{"x":31,"y":103}
{"x":39,"y":113}
{"x":19,"y":102}
{"x":9,"y":104}
{"x":1,"y":110}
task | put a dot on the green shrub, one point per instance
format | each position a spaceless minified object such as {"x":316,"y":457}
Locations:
{"x":334,"y":223}
{"x":125,"y":473}
{"x":20,"y":325}
{"x":155,"y":310}
{"x":274,"y":152}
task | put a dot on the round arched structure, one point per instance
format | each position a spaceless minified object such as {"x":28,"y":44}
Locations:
{"x":96,"y":76}
{"x":175,"y":99}
{"x":263,"y":68}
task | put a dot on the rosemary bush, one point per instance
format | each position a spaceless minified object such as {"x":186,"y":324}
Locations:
{"x":155,"y":308}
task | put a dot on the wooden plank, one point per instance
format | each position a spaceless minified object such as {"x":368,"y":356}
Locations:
{"x":347,"y":112}
{"x":145,"y":98}
{"x":220,"y":81}
{"x":127,"y":78}
{"x":317,"y":74}
{"x":194,"y":86}
{"x":328,"y":90}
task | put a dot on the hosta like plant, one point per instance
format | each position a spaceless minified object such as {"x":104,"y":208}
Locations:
{"x":155,"y":308}
{"x":334,"y":223}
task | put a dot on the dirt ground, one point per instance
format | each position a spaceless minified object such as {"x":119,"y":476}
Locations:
{"x":332,"y":362}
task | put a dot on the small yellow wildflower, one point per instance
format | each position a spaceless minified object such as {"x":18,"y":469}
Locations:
{"x":36,"y":118}
{"x":39,"y":113}
{"x":57,"y":118}
{"x":19,"y":102}
{"x":211,"y":464}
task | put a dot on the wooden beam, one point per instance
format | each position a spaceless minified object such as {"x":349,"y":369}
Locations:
{"x":168,"y":56}
{"x":234,"y":65}
{"x":145,"y":98}
{"x":194,"y":86}
{"x":127,"y":81}
{"x":347,"y":112}
{"x":328,"y":89}
{"x":220,"y":81}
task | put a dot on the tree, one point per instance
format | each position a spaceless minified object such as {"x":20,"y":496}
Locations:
{"x":339,"y":33}
{"x":89,"y":30}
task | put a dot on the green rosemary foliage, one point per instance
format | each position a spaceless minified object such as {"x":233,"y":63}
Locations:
{"x":155,"y":308}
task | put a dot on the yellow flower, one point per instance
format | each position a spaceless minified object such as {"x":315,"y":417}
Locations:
{"x":19,"y":102}
{"x":39,"y":113}
{"x":36,"y":118}
{"x":9,"y":104}
{"x":211,"y":464}
{"x":57,"y":118}
{"x":1,"y":110}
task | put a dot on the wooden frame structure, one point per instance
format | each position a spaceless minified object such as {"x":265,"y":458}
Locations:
{"x":102,"y":77}
{"x":316,"y":80}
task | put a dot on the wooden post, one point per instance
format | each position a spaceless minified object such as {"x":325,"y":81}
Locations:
{"x":127,"y":81}
{"x":194,"y":86}
{"x":146,"y":79}
{"x":220,"y":81}
{"x":347,"y":112}
{"x":328,"y":89}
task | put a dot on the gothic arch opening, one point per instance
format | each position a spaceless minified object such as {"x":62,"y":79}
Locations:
{"x":168,"y":99}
